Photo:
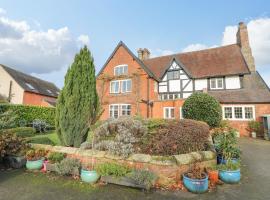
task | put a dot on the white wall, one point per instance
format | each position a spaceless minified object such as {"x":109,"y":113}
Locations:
{"x":16,"y":91}
{"x":189,"y":87}
{"x":174,"y":85}
{"x":232,"y":82}
{"x":200,"y":84}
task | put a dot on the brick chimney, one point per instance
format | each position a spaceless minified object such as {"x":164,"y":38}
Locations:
{"x":243,"y":42}
{"x":143,"y":54}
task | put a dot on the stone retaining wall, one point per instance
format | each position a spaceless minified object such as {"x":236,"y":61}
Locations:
{"x":169,"y":169}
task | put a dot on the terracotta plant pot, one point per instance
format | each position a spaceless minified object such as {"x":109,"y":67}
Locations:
{"x":213,"y":176}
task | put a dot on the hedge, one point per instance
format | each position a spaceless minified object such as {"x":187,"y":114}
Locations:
{"x":27,"y":114}
{"x":21,"y":131}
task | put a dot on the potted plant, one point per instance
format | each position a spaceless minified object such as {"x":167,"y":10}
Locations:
{"x":212,"y":174}
{"x":230,"y":172}
{"x":35,"y":159}
{"x":254,"y":128}
{"x":89,"y":174}
{"x":196,"y":180}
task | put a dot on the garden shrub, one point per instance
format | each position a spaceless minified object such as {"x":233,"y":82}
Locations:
{"x":143,"y":177}
{"x":254,"y":126}
{"x":40,"y":140}
{"x":40,"y":126}
{"x":68,"y":166}
{"x":112,"y":169}
{"x":55,"y":157}
{"x":27,"y":114}
{"x":7,"y":119}
{"x":119,"y":135}
{"x":178,"y":137}
{"x":10,"y":144}
{"x":21,"y":131}
{"x":203,"y":107}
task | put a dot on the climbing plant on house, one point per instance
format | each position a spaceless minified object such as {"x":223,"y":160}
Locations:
{"x":77,"y":105}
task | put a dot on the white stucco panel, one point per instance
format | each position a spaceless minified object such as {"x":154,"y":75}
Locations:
{"x":186,"y":95}
{"x":232,"y":82}
{"x":162,"y":88}
{"x":189,"y":85}
{"x":200,"y":84}
{"x":174,"y":86}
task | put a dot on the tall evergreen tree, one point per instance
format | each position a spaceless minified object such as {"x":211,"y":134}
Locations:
{"x":77,"y":105}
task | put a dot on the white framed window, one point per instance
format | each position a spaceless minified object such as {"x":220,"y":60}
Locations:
{"x":120,"y":70}
{"x":216,"y":83}
{"x":114,"y":87}
{"x":120,"y":85}
{"x":117,"y":110}
{"x":181,"y":113}
{"x":237,"y":112}
{"x":173,"y":75}
{"x":114,"y":111}
{"x":168,"y":112}
{"x":125,"y":86}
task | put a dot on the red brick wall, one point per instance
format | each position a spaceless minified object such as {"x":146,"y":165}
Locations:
{"x":30,"y":98}
{"x":241,"y":126}
{"x":139,"y":85}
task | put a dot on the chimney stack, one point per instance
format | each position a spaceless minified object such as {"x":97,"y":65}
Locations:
{"x":143,"y":54}
{"x":243,"y":42}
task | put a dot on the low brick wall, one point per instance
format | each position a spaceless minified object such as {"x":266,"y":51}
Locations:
{"x":168,"y":169}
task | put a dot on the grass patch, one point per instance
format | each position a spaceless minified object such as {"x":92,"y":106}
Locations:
{"x":50,"y":138}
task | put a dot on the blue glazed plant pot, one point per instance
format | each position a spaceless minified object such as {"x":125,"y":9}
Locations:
{"x":221,"y":160}
{"x":196,"y":185}
{"x":230,"y":176}
{"x":89,"y":176}
{"x":34,"y":164}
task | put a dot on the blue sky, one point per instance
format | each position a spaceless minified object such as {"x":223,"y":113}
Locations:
{"x":53,"y":31}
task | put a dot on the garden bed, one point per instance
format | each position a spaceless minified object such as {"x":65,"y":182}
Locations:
{"x":169,"y":170}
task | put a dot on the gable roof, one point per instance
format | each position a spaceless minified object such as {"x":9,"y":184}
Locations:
{"x":31,"y":83}
{"x":146,"y":69}
{"x":220,"y":61}
{"x":254,"y":90}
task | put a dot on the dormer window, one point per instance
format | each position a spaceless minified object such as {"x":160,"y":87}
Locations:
{"x":216,"y":83}
{"x":120,"y":70}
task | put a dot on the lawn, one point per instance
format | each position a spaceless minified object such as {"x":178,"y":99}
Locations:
{"x":48,"y":138}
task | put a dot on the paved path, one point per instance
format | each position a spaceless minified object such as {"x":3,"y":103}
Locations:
{"x":255,"y":184}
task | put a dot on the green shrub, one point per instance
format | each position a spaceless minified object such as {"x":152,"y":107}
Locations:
{"x":153,"y":124}
{"x":254,"y":126}
{"x":178,"y":137}
{"x":68,"y":166}
{"x":203,"y":107}
{"x":231,"y":166}
{"x":40,"y":140}
{"x":55,"y":157}
{"x":27,"y":114}
{"x":143,"y":177}
{"x":21,"y":131}
{"x":7,"y":119}
{"x":112,"y":169}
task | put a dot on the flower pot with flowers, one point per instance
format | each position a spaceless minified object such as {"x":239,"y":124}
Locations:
{"x":35,"y":159}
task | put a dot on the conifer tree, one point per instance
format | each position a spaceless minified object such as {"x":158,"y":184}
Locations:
{"x":77,"y":105}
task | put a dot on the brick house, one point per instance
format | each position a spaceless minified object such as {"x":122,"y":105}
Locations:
{"x":21,"y":88}
{"x":157,"y":87}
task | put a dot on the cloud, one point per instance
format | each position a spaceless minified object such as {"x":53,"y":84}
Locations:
{"x":84,"y":39}
{"x":196,"y":47}
{"x":37,"y":51}
{"x":2,"y":11}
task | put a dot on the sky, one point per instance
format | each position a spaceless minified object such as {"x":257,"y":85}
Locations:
{"x":42,"y":37}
